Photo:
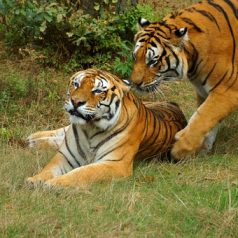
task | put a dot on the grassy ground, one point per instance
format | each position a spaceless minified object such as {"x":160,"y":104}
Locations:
{"x":195,"y":199}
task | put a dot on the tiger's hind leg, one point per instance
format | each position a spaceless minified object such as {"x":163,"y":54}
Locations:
{"x":47,"y":139}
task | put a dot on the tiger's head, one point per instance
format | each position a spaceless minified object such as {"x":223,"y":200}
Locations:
{"x":158,"y":54}
{"x":95,"y":97}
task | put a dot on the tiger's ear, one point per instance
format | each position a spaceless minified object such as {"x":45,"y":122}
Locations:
{"x":126,"y":85}
{"x":179,"y":37}
{"x":127,"y":82}
{"x":142,"y":23}
{"x":181,"y":32}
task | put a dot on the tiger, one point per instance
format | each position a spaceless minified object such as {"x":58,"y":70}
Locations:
{"x":109,"y":128}
{"x":198,"y":44}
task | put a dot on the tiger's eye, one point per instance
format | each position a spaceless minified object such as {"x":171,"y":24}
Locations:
{"x":76,"y":84}
{"x":97,"y":91}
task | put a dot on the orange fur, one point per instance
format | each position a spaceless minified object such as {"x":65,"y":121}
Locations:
{"x":198,"y":43}
{"x":103,"y":145}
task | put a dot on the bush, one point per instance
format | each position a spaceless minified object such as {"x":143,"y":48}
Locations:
{"x":60,"y":33}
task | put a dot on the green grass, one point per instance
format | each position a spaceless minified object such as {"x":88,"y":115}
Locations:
{"x":195,"y":199}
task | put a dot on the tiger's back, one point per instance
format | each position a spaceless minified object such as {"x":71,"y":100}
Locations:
{"x":164,"y":120}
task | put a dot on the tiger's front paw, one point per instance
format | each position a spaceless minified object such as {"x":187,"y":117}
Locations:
{"x":44,"y":140}
{"x":187,"y":144}
{"x":38,"y":179}
{"x":35,"y":181}
{"x":34,"y":140}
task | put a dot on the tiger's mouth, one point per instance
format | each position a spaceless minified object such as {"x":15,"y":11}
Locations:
{"x":87,"y":117}
{"x":152,"y":87}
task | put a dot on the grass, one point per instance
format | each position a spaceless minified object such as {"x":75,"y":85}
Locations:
{"x":198,"y":198}
{"x":195,"y":199}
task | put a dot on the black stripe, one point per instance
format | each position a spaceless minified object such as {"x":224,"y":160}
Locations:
{"x":153,"y":45}
{"x":191,"y":23}
{"x":164,"y":23}
{"x":157,"y":38}
{"x":96,"y":134}
{"x":165,"y":136}
{"x":117,"y":103}
{"x":141,"y":40}
{"x":175,"y":56}
{"x":186,"y":51}
{"x":194,"y":71}
{"x":146,"y":121}
{"x":135,"y":100}
{"x":234,"y":81}
{"x":101,"y":104}
{"x":79,"y":149}
{"x":151,"y":53}
{"x":116,"y":132}
{"x":162,"y":55}
{"x":111,"y":115}
{"x":109,"y":151}
{"x":112,"y":97}
{"x":155,"y":135}
{"x":194,"y":58}
{"x":220,"y":9}
{"x":71,"y":153}
{"x":168,"y":62}
{"x":209,"y":74}
{"x":62,"y":171}
{"x":113,"y":88}
{"x":223,"y":77}
{"x":143,"y":35}
{"x":157,"y":30}
{"x":234,"y":9}
{"x":102,"y":79}
{"x":208,"y":15}
{"x":72,"y":167}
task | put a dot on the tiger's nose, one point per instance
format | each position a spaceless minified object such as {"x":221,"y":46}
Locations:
{"x":137,"y":78}
{"x":77,"y":103}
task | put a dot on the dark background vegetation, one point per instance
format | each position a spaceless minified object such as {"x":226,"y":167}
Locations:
{"x":75,"y":34}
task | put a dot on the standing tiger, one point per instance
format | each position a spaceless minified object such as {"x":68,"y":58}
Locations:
{"x":198,"y":43}
{"x":109,"y":127}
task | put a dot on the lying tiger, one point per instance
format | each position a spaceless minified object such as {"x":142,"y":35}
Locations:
{"x":109,"y":128}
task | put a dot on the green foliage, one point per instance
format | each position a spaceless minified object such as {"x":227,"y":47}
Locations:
{"x":123,"y":62}
{"x":17,"y":86}
{"x":13,"y":87}
{"x":64,"y":34}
